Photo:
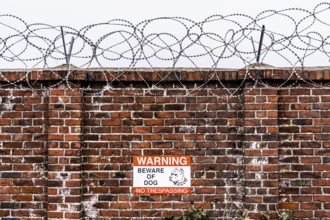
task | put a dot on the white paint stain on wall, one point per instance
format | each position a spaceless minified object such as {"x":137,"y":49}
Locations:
{"x":31,"y":214}
{"x":88,"y":206}
{"x":255,"y":145}
{"x":8,"y":105}
{"x":258,"y":176}
{"x":259,"y":161}
{"x":188,"y":129}
{"x":65,"y":191}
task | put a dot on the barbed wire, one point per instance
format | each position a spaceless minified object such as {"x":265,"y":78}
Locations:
{"x":293,"y":37}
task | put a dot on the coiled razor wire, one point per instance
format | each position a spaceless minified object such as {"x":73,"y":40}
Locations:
{"x":294,"y":38}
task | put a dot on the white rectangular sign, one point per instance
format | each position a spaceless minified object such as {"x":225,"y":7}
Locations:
{"x":161,"y":175}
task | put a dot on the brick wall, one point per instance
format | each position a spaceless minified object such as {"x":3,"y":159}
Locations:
{"x":67,"y":143}
{"x":304,"y":158}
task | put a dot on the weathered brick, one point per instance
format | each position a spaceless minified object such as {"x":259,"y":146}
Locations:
{"x":281,"y":133}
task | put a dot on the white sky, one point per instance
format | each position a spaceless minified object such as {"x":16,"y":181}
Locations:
{"x":80,"y":13}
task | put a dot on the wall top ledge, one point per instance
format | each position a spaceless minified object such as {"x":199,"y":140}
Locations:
{"x":72,"y":73}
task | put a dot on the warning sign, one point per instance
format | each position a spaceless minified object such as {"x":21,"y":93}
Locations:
{"x":161,"y":175}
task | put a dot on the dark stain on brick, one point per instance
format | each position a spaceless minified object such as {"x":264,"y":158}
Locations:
{"x":11,"y":175}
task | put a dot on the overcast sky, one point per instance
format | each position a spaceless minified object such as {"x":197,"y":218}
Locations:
{"x":80,"y":13}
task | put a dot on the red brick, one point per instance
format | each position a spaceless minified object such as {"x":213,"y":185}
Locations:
{"x":289,"y":206}
{"x":4,"y":213}
{"x":22,"y":197}
{"x":75,"y":151}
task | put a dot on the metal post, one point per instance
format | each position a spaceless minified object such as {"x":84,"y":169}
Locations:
{"x":254,"y":48}
{"x":66,"y":56}
{"x":70,"y":50}
{"x":260,"y":42}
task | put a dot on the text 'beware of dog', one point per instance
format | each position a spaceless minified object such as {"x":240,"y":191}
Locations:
{"x":161,"y":175}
